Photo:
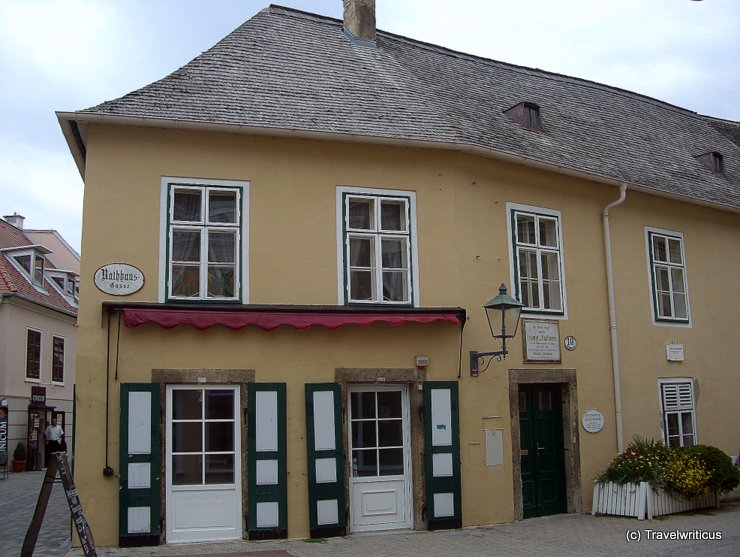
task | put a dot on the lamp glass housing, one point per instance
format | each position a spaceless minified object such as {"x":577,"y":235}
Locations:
{"x":503,"y":313}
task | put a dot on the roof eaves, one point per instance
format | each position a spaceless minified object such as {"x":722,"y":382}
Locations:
{"x":30,"y":300}
{"x":75,"y":139}
{"x":468,"y":147}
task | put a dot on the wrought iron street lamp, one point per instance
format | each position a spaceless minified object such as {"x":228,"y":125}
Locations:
{"x":503,"y":314}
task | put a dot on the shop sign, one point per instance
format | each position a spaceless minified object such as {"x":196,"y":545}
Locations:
{"x":119,"y":279}
{"x":38,"y":396}
{"x":593,"y":421}
{"x":541,"y":341}
{"x":4,"y":429}
{"x":58,"y":463}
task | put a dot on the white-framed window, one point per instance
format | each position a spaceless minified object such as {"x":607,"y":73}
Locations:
{"x":678,"y":412}
{"x":204,"y":234}
{"x":536,"y":258}
{"x":33,"y":355}
{"x":376,"y":246}
{"x":57,"y":359}
{"x":31,"y":262}
{"x":67,"y":283}
{"x":667,"y":268}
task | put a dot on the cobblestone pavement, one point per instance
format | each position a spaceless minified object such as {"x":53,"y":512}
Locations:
{"x":571,"y":535}
{"x":18,"y":496}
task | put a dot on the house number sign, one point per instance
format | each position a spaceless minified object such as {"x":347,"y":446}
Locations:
{"x":119,"y":279}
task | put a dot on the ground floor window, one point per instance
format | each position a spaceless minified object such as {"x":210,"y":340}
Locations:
{"x":677,"y":407}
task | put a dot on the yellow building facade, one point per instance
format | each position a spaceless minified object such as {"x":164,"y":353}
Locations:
{"x":292,"y":358}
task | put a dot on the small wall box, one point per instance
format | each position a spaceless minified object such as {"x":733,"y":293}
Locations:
{"x":422,"y":361}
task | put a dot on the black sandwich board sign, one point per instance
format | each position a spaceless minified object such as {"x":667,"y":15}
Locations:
{"x":59,"y":463}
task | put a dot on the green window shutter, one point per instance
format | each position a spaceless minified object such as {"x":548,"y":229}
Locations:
{"x":139,"y":465}
{"x":267,"y":461}
{"x":442,"y":455}
{"x":327,"y":516}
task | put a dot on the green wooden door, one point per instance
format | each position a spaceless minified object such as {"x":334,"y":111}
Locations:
{"x":267,"y":461}
{"x":325,"y":444}
{"x":442,"y":455}
{"x":139,"y":467}
{"x":542,"y":455}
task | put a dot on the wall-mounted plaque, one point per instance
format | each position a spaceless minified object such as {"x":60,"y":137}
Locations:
{"x":119,"y":279}
{"x":674,"y":352}
{"x":541,"y":341}
{"x":592,"y":421}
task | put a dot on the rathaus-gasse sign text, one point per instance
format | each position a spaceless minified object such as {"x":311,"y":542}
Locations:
{"x":119,"y":279}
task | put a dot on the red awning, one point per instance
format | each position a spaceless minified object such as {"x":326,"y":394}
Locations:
{"x":269,"y":320}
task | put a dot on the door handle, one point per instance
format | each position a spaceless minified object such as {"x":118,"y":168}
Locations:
{"x":540,"y":449}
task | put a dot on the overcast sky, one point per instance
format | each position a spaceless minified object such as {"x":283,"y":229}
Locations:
{"x":72,"y":54}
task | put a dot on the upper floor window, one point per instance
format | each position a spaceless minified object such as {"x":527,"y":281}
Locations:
{"x":668,"y":276}
{"x":33,"y":354}
{"x":67,"y":283}
{"x":527,"y":115}
{"x":205,"y":240}
{"x":536,"y":259}
{"x":32,"y":263}
{"x":377,"y":246}
{"x":677,"y":410}
{"x":57,"y":360}
{"x":713,"y":161}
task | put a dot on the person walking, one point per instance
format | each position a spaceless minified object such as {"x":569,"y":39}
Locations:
{"x":53,"y":437}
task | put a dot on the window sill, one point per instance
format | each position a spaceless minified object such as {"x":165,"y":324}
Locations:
{"x":671,"y":323}
{"x":544,"y":313}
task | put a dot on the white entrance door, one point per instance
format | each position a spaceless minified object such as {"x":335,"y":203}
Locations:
{"x":379,"y":445}
{"x":203,"y":463}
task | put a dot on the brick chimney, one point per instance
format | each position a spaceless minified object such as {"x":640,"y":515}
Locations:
{"x":15,"y":219}
{"x":359,"y":20}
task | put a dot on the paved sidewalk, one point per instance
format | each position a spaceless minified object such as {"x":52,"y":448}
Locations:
{"x":18,"y":496}
{"x":571,"y":535}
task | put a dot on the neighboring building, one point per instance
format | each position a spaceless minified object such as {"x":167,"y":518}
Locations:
{"x":302,"y":222}
{"x":38,"y":344}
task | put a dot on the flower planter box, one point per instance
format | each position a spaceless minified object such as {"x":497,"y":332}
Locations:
{"x":639,"y":500}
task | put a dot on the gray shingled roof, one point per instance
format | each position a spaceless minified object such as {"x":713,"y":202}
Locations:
{"x":289,"y":70}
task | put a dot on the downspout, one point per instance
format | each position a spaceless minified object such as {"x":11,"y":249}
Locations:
{"x":613,"y":316}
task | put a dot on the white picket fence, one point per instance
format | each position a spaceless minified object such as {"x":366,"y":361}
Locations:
{"x":640,"y":500}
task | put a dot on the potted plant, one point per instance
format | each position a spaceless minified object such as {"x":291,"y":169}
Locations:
{"x":19,"y":457}
{"x":649,"y":479}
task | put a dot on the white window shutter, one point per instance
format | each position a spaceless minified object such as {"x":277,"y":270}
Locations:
{"x":677,"y":396}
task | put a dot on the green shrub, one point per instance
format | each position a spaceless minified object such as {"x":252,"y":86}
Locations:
{"x":20,"y":451}
{"x":724,"y":476}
